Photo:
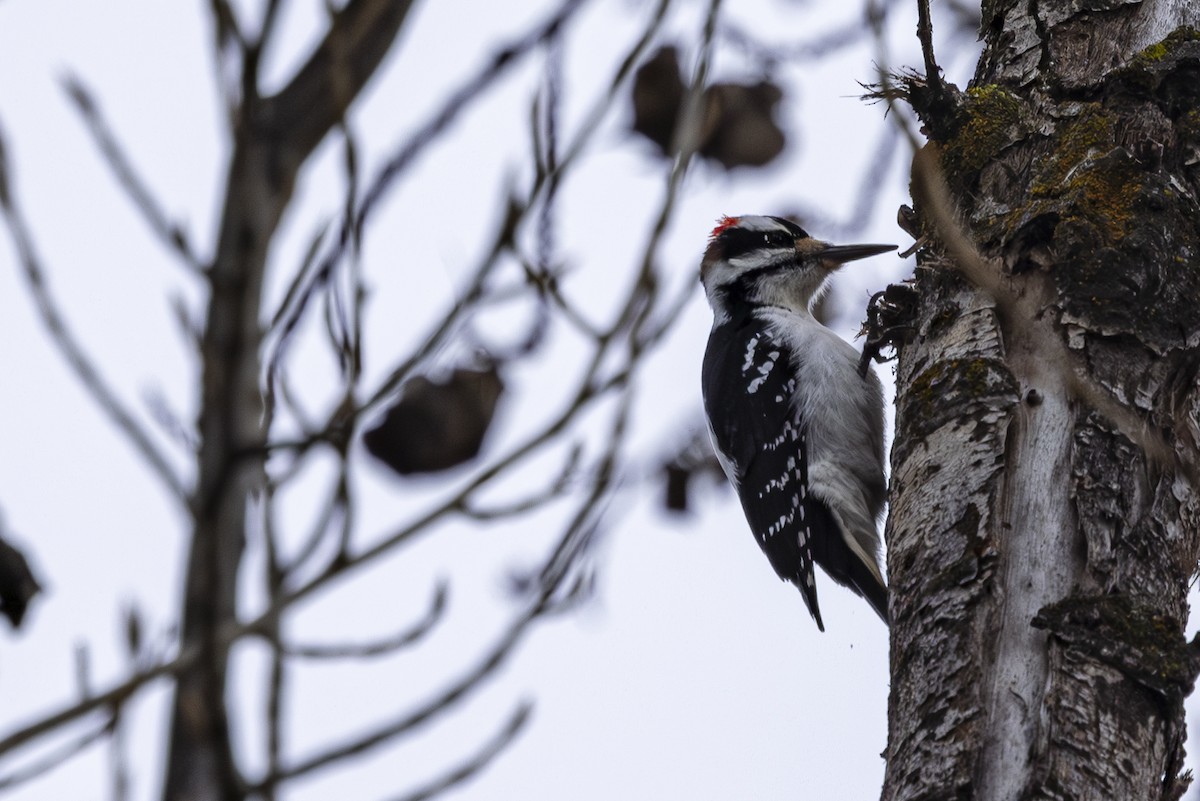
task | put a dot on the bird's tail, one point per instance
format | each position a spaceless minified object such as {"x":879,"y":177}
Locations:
{"x":847,"y":563}
{"x":808,"y":591}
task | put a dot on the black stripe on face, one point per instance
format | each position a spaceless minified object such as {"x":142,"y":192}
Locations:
{"x":737,"y":242}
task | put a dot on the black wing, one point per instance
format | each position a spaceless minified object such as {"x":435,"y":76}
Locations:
{"x":748,"y":380}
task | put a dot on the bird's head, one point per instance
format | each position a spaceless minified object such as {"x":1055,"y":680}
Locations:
{"x":770,"y":261}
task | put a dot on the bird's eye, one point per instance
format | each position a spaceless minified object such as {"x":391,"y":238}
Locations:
{"x":777,"y":239}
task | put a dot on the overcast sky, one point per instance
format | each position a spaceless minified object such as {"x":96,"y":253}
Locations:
{"x":694,"y":673}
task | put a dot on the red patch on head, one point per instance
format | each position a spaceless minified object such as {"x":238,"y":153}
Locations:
{"x":722,"y":224}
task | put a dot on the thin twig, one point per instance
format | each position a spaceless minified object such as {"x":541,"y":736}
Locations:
{"x":477,"y":763}
{"x":110,"y":697}
{"x":821,"y":46}
{"x":171,"y":234}
{"x":53,"y":759}
{"x":684,"y":146}
{"x":277,"y":669}
{"x":933,"y":73}
{"x":456,"y":103}
{"x":504,"y":59}
{"x":118,"y":758}
{"x":591,"y":120}
{"x":72,"y":352}
{"x":464,"y":685}
{"x":383,"y":647}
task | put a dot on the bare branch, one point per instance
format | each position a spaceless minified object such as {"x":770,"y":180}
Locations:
{"x":933,"y":73}
{"x":302,"y":273}
{"x":475,"y":289}
{"x":273,"y":137}
{"x":53,"y":759}
{"x":112,"y":697}
{"x":333,"y":508}
{"x":72,"y":352}
{"x":480,"y":760}
{"x":821,"y":46}
{"x":481,"y":513}
{"x":227,"y":30}
{"x":409,"y":636}
{"x":277,"y":670}
{"x":171,"y":234}
{"x":254,"y":49}
{"x":433,"y":707}
{"x":504,"y":59}
{"x":687,"y":139}
{"x":168,"y":421}
{"x":456,"y":103}
{"x":119,"y":761}
{"x":316,"y":99}
{"x":591,"y":121}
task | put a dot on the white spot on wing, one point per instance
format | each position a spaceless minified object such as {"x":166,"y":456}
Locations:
{"x":751,"y":344}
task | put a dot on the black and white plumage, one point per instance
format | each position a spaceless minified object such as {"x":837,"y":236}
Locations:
{"x":798,"y":430}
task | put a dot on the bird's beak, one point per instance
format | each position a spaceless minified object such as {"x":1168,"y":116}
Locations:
{"x":835,"y":256}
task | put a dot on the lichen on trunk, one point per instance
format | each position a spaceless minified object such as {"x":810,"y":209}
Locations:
{"x":1039,"y":551}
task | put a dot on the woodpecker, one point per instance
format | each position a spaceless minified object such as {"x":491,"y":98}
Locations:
{"x":796,"y":426}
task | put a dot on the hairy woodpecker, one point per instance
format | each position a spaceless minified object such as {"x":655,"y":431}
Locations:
{"x":797,"y":428}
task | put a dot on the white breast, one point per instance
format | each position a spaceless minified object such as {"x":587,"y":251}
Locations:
{"x":842,"y":411}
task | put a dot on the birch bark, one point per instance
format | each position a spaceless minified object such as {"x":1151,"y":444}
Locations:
{"x":1039,"y":550}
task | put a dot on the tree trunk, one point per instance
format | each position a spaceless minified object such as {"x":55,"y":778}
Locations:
{"x":273,"y":137}
{"x":1039,"y":549}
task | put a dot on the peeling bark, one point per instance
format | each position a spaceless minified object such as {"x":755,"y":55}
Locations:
{"x":1039,"y":558}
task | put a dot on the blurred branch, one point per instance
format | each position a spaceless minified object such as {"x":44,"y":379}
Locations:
{"x":821,"y":46}
{"x":502,"y":242}
{"x":317,"y":97}
{"x":269,"y":146}
{"x":298,"y":282}
{"x":118,"y":761}
{"x":332,"y":508}
{"x":168,"y":421}
{"x":456,"y":103}
{"x":591,"y":121}
{"x":277,"y":668}
{"x":171,"y":234}
{"x":933,"y":73}
{"x":552,"y":170}
{"x":255,"y":48}
{"x":480,"y":760}
{"x":687,"y":139}
{"x":227,"y":31}
{"x":70,"y":349}
{"x":383,"y":647}
{"x":439,"y":704}
{"x":228,"y":44}
{"x":109,"y":698}
{"x":484,"y":513}
{"x":55,"y":758}
{"x":272,"y":138}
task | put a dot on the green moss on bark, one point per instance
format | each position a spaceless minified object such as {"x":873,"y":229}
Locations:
{"x":992,"y":119}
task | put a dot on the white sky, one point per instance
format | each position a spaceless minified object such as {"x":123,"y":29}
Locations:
{"x":694,"y":674}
